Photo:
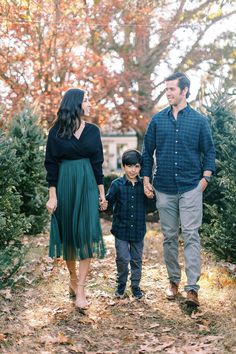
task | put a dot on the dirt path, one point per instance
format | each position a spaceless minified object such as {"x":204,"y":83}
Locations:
{"x":37,"y":315}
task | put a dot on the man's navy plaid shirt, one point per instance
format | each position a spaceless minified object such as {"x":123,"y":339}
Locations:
{"x":129,"y":208}
{"x":183,"y":150}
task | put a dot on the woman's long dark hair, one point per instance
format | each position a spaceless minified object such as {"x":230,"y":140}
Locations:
{"x":70,"y":112}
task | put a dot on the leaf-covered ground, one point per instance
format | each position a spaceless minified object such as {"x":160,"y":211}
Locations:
{"x":37,"y":315}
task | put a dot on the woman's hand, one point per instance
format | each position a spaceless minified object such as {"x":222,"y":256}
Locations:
{"x":103,"y":203}
{"x":51,"y":205}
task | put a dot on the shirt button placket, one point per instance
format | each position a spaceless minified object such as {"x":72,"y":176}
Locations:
{"x":176,"y":149}
{"x":132,"y":210}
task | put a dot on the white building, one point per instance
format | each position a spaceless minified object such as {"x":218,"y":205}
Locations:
{"x":114,"y":144}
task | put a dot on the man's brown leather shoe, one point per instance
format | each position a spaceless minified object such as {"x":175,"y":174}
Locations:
{"x":172,"y":291}
{"x":192,"y":298}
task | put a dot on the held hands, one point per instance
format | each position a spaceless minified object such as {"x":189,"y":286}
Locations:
{"x":103,"y":203}
{"x":51,"y":205}
{"x":148,"y":190}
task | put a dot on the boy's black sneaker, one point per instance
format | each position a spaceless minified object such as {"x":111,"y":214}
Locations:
{"x":120,"y":291}
{"x":137,"y":292}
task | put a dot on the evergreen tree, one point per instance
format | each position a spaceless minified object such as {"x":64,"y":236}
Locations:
{"x":28,"y":140}
{"x":219,"y":226}
{"x":12,"y":220}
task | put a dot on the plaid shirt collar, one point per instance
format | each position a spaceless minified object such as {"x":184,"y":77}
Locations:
{"x":125,"y":180}
{"x":185,"y":110}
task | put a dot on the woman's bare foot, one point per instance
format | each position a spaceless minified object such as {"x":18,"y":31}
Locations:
{"x":73,"y":286}
{"x":81,"y":301}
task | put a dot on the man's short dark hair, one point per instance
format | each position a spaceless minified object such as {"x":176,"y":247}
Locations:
{"x":131,"y":157}
{"x":183,"y":81}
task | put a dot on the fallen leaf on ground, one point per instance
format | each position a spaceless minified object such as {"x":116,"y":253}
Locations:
{"x":203,"y":328}
{"x":2,"y":337}
{"x":167,"y":329}
{"x":154,"y":326}
{"x":76,"y":349}
{"x":6,"y":293}
{"x":164,"y":346}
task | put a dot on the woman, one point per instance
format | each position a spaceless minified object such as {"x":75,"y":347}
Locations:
{"x":74,"y":158}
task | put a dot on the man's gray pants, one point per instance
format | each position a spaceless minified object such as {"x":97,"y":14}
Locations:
{"x":183,"y":209}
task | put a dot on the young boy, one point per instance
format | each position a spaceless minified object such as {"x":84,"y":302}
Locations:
{"x":126,"y":197}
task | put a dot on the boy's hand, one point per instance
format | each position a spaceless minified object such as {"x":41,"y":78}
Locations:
{"x":148,"y":189}
{"x":149,"y":194}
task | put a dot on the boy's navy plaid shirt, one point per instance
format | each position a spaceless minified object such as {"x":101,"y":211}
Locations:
{"x":129,"y":208}
{"x":183,"y":150}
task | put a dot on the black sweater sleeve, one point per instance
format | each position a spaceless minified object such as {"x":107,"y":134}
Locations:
{"x":97,"y":159}
{"x":51,"y":163}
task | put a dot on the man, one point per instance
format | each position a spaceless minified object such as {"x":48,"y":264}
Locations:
{"x":185,"y":161}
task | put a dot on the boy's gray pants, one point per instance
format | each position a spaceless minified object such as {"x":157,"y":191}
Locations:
{"x":128,"y":252}
{"x":183,"y":209}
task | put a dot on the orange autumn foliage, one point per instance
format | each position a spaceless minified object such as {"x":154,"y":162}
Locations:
{"x":113,"y":48}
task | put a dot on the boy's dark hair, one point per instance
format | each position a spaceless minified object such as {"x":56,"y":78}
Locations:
{"x":131,"y":157}
{"x":183,"y":81}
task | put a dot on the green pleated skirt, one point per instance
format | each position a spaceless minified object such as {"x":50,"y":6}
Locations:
{"x":75,"y":231}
